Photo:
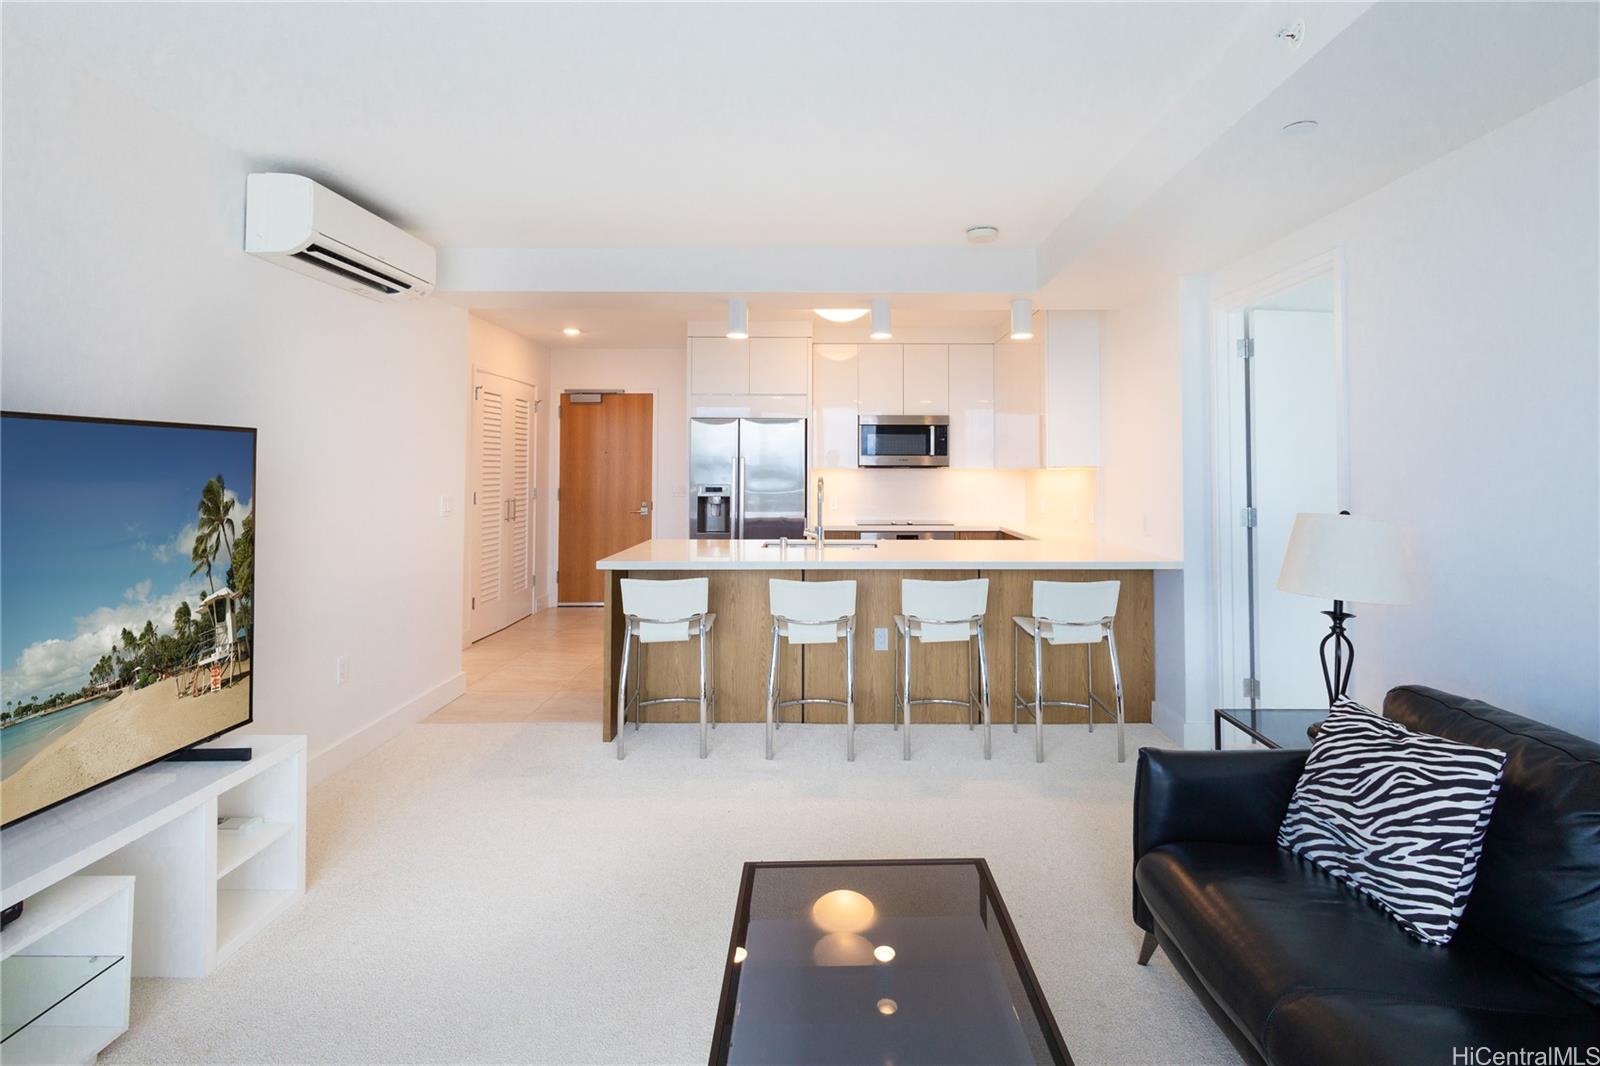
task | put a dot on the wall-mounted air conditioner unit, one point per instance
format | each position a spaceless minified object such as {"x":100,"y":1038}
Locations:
{"x":294,"y":222}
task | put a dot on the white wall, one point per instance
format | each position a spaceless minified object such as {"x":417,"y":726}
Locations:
{"x":1141,"y":425}
{"x":126,"y":294}
{"x":662,"y":371}
{"x":499,"y":351}
{"x":1473,"y":352}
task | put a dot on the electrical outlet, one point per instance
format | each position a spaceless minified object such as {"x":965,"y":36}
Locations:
{"x":880,"y":638}
{"x":341,"y":669}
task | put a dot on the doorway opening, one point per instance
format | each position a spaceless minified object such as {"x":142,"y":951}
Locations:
{"x":604,"y":498}
{"x":1281,"y":451}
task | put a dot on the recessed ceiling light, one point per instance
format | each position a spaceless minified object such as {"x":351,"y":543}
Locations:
{"x":982,"y":234}
{"x":841,"y":314}
{"x":571,"y":331}
{"x":1301,"y":127}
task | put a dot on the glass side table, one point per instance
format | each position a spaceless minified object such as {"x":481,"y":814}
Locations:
{"x":1276,"y":727}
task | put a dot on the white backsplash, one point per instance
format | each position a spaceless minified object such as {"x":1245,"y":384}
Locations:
{"x":1056,"y":503}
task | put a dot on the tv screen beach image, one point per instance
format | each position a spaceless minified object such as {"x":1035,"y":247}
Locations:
{"x":127,"y":583}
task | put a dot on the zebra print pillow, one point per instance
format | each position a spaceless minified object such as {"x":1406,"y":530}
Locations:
{"x":1395,"y":814}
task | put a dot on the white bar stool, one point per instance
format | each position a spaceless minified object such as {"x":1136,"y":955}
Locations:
{"x":1067,"y":612}
{"x":814,"y":612}
{"x":942,"y":612}
{"x":666,"y":612}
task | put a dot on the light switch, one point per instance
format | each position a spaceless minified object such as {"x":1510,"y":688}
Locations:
{"x":880,"y":638}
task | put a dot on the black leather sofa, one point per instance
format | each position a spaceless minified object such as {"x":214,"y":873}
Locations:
{"x":1299,"y":970}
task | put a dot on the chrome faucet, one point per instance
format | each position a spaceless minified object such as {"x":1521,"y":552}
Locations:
{"x":820,"y":536}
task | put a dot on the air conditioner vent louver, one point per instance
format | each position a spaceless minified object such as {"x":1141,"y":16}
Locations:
{"x":296,"y":223}
{"x":352,"y":270}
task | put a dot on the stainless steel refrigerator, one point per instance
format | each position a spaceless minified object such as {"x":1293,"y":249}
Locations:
{"x":747,"y":478}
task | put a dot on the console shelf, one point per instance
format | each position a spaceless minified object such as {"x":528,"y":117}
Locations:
{"x":202,"y":892}
{"x":65,"y":972}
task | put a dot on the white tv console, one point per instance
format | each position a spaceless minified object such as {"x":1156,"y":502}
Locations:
{"x":198,"y":892}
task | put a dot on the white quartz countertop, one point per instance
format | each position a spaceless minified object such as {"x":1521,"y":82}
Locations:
{"x":885,"y":555}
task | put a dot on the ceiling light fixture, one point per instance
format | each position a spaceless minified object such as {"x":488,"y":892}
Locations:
{"x":1022,"y":319}
{"x":841,"y":314}
{"x":1301,"y":127}
{"x":880,"y":320}
{"x":738,"y":320}
{"x":982,"y":234}
{"x":571,"y":331}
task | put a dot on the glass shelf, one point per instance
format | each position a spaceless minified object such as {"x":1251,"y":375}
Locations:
{"x":30,"y":985}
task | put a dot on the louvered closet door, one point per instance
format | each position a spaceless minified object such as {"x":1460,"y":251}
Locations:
{"x":501,"y":538}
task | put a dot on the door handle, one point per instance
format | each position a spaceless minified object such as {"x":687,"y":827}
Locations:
{"x":644,"y":507}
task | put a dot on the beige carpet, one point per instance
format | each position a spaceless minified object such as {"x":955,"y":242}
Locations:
{"x":512,"y":893}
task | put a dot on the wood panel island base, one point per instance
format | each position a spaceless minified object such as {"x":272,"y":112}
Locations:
{"x":739,"y":571}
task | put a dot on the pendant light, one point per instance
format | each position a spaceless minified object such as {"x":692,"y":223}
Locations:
{"x":738,"y":320}
{"x":1022,"y":319}
{"x":880,"y":320}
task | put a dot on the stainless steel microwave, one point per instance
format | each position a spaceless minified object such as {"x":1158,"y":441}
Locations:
{"x":904,"y":440}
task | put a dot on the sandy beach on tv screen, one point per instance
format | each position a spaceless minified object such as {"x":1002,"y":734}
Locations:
{"x":132,"y":729}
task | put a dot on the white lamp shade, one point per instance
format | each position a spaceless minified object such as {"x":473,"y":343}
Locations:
{"x":1345,"y":557}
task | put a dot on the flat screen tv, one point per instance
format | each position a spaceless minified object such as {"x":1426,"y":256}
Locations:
{"x":127,"y":598}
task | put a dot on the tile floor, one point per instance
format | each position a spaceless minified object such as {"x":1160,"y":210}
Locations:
{"x":546,"y":668}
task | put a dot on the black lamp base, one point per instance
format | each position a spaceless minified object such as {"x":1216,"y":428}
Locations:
{"x":1336,"y":675}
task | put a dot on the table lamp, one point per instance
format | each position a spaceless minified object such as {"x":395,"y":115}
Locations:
{"x":1345,"y":559}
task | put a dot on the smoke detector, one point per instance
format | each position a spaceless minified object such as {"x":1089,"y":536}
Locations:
{"x":982,"y":234}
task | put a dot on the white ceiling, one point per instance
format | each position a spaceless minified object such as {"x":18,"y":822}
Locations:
{"x":633,"y":164}
{"x":603,"y":125}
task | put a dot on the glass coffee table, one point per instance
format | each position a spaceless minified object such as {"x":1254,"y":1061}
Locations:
{"x":878,"y":961}
{"x":1276,"y":727}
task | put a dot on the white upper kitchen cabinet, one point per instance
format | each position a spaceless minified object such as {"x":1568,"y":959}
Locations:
{"x":833,"y":394}
{"x":1018,"y":403}
{"x":778,"y":365}
{"x":972,"y":381}
{"x":926,"y":379}
{"x":881,"y":379}
{"x":1072,"y":388}
{"x":719,"y":365}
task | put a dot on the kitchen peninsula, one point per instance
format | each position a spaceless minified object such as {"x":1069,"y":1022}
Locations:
{"x":739,"y":570}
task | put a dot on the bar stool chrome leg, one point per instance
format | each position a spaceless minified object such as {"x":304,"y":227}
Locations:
{"x":638,"y":681}
{"x":1016,"y":677}
{"x":622,"y":693}
{"x":703,"y":739}
{"x":772,"y":686}
{"x":850,"y":693}
{"x":896,"y":664}
{"x":1038,"y":694}
{"x":1088,"y":701}
{"x":905,"y":695}
{"x":1116,"y":681}
{"x":983,"y":684}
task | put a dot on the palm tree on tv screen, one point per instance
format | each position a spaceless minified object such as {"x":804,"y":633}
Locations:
{"x":214,"y":534}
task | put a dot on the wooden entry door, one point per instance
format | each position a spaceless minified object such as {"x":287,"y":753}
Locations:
{"x":605,"y":495}
{"x":501,"y":542}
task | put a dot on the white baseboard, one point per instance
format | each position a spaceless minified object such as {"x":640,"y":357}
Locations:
{"x":384,"y":728}
{"x":1194,"y":736}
